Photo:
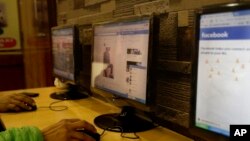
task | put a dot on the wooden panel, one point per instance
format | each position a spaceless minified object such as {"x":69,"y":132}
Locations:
{"x":11,"y":72}
{"x":36,"y":43}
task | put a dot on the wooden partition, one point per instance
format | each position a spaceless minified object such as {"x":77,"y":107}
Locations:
{"x":37,"y":56}
{"x":11,"y":72}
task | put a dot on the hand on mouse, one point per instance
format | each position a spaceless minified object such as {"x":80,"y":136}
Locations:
{"x":66,"y":130}
{"x":15,"y":102}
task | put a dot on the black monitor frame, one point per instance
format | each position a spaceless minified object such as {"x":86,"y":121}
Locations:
{"x":225,"y":7}
{"x":152,"y":52}
{"x":85,"y":46}
{"x":128,"y":119}
{"x":73,"y":92}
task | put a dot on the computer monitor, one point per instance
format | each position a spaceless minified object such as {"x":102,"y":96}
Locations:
{"x":85,"y":40}
{"x":65,"y":51}
{"x":122,"y":66}
{"x":223,"y":63}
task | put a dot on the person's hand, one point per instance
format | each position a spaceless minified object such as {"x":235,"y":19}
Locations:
{"x":15,"y":102}
{"x":66,"y":130}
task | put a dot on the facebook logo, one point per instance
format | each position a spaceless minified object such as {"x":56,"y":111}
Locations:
{"x":239,"y":132}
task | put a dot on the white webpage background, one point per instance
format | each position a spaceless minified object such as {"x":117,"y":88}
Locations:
{"x":138,"y":89}
{"x":223,"y":87}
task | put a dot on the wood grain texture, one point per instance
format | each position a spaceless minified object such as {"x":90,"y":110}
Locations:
{"x":36,"y":48}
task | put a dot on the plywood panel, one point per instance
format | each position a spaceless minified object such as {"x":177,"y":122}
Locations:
{"x":11,"y":72}
{"x":36,"y":45}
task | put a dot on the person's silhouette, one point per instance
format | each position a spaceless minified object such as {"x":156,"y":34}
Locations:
{"x":106,"y":57}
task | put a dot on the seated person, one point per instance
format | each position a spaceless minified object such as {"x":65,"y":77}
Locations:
{"x":65,"y":130}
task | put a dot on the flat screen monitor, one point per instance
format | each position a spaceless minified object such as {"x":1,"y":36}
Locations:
{"x":120,"y":66}
{"x":65,"y":64}
{"x":223,"y":68}
{"x":86,"y":40}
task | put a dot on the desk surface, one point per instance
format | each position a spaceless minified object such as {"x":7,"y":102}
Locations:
{"x":83,"y":109}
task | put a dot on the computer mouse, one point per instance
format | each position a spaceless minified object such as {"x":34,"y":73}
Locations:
{"x":33,"y":107}
{"x":96,"y":136}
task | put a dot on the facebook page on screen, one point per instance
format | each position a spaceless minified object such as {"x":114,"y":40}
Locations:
{"x":120,"y":58}
{"x":223,"y":88}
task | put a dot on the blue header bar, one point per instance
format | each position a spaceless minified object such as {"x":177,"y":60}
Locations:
{"x":225,"y":33}
{"x":241,"y":13}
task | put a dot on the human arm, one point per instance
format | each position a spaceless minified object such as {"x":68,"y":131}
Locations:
{"x":15,"y":102}
{"x":65,"y":130}
{"x":27,"y":133}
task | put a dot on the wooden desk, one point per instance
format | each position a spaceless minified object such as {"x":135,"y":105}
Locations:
{"x":86,"y":109}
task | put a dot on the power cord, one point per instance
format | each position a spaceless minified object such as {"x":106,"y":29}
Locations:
{"x":135,"y":136}
{"x":52,"y":106}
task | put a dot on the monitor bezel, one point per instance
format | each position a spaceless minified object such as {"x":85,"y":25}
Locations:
{"x":75,"y":52}
{"x":84,"y":78}
{"x":218,"y":8}
{"x":152,"y":49}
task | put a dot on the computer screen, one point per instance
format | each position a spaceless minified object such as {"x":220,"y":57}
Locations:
{"x":223,"y":68}
{"x":121,"y":56}
{"x":65,"y":52}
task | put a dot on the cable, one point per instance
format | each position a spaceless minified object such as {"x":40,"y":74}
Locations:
{"x":56,"y":108}
{"x":122,"y":133}
{"x":103,"y":132}
{"x":135,"y":136}
{"x":123,"y":136}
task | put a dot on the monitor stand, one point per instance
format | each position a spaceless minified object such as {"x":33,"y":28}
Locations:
{"x":72,"y":93}
{"x":125,"y":122}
